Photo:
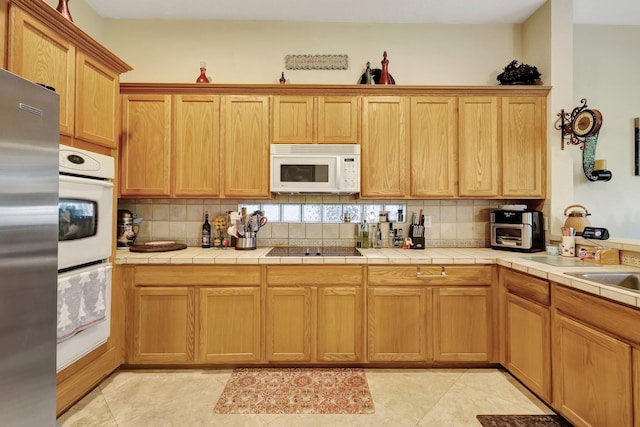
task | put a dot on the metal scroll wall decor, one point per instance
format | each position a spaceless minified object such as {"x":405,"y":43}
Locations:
{"x":581,"y":127}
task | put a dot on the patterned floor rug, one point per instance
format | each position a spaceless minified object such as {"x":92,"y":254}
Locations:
{"x":296,"y":391}
{"x":522,"y":421}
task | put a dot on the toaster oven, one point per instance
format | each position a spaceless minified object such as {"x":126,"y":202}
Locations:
{"x":513,"y":230}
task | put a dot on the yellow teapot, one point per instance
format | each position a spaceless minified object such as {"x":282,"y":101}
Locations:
{"x":577,"y":219}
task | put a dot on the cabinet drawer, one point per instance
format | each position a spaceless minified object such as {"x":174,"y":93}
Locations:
{"x":527,"y":286}
{"x":614,"y":318}
{"x":197,"y":275}
{"x":300,"y":275}
{"x":430,"y":275}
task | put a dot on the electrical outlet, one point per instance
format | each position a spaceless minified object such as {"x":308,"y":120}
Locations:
{"x":427,"y":222}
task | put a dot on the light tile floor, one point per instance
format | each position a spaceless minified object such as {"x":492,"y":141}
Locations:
{"x":402,"y":397}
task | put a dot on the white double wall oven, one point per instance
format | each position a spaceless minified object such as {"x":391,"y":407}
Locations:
{"x":85,"y":237}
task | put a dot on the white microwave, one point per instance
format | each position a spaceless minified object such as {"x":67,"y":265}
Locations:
{"x":315,"y":168}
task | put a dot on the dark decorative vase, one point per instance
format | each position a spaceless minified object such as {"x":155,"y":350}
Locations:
{"x":384,"y":76}
{"x":282,"y":79}
{"x":202,"y":78}
{"x":63,"y":8}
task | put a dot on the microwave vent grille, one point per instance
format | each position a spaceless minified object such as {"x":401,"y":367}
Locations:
{"x":315,"y":149}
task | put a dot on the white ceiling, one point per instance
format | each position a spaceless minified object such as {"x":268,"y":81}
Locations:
{"x":617,"y":12}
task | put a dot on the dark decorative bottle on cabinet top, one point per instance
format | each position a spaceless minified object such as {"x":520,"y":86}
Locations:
{"x":282,"y":79}
{"x":63,"y":8}
{"x":384,"y":75}
{"x":206,"y":231}
{"x":202,"y":78}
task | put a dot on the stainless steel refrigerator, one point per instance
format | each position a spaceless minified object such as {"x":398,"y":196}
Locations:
{"x":29,"y":138}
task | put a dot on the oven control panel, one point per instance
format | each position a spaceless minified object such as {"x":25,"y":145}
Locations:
{"x":75,"y":161}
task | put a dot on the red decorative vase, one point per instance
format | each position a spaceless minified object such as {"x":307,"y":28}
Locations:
{"x":282,"y":79}
{"x":63,"y":8}
{"x":202,"y":78}
{"x":384,"y":75}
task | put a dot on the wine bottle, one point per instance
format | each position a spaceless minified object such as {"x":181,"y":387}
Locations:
{"x":206,"y":231}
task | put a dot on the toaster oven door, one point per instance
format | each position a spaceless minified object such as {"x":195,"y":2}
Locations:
{"x":511,"y":236}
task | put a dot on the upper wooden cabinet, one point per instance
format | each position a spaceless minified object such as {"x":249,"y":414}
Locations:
{"x":145,"y":149}
{"x":170,"y":146}
{"x":433,"y":146}
{"x":384,"y":147}
{"x":196,"y":148}
{"x":245,"y":146}
{"x":38,"y":53}
{"x":478,"y":146}
{"x":46,"y":48}
{"x":524,"y":169}
{"x":97,"y":106}
{"x":316,"y":119}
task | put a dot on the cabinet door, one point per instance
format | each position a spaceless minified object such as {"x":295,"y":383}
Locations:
{"x":338,"y":120}
{"x":229,"y":325}
{"x":432,"y":154}
{"x":528,"y":344}
{"x":245,"y":146}
{"x":97,"y":96}
{"x":339,"y":324}
{"x":293,"y":119}
{"x":462,"y":325}
{"x":196,"y":153}
{"x":39,"y":54}
{"x":145,"y":150}
{"x":636,"y":385}
{"x":163,"y":325}
{"x":523,"y":146}
{"x":478,"y":167}
{"x":384,"y":147}
{"x":592,"y":375}
{"x":288,"y":328}
{"x":397,"y":324}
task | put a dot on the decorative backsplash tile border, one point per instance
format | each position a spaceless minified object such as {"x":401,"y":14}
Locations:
{"x":630,"y":258}
{"x":454,"y":223}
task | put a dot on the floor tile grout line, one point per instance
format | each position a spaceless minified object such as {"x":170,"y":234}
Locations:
{"x":464,"y":371}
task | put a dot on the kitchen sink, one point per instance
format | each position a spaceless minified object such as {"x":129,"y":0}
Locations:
{"x":622,"y":279}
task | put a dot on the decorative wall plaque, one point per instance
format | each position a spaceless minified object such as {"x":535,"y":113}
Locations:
{"x":316,"y":62}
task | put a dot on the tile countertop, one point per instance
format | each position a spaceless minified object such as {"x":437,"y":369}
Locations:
{"x":523,"y":262}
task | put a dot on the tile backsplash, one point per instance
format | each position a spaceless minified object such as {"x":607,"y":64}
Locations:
{"x":454,"y":223}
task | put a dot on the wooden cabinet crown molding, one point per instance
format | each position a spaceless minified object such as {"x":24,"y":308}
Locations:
{"x":50,"y":17}
{"x":323,"y":90}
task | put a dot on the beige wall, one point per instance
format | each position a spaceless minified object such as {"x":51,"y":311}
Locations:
{"x":85,"y":18}
{"x":254,"y":52}
{"x":607,"y":73}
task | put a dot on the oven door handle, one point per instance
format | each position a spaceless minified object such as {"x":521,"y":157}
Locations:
{"x":79,"y":180}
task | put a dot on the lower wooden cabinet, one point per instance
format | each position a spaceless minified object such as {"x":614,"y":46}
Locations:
{"x":189,"y":315}
{"x":314,"y":314}
{"x":288,"y":324}
{"x":592,"y":375}
{"x":163,"y":325}
{"x":462,"y":324}
{"x":594,"y":345}
{"x":397,"y":328}
{"x":527,"y":330}
{"x":431,"y":314}
{"x":528,"y":344}
{"x":229,"y":321}
{"x":339,"y":329}
{"x":636,"y":386}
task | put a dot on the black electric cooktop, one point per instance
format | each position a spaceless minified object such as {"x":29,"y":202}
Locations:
{"x":314,"y":251}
